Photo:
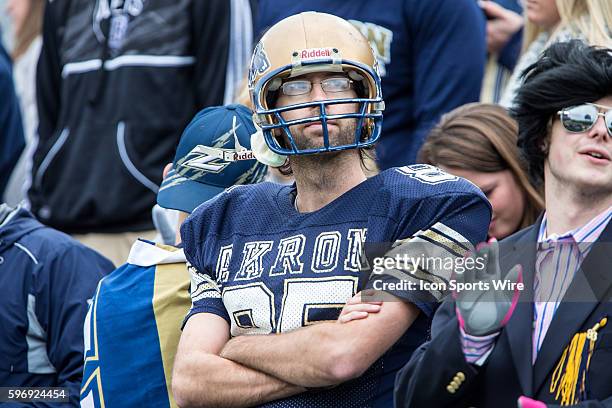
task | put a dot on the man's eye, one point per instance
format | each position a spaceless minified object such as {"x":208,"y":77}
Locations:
{"x":336,"y":84}
{"x":296,"y":87}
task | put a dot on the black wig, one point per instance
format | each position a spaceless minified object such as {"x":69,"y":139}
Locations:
{"x":567,"y":74}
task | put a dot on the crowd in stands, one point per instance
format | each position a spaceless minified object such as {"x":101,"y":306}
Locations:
{"x":190,"y":190}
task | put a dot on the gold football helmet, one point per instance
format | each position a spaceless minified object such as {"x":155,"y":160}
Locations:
{"x":305,"y":43}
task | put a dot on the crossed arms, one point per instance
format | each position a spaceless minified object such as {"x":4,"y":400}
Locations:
{"x":212,"y":370}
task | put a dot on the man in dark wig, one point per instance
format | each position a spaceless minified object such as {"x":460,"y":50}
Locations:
{"x":551,"y":344}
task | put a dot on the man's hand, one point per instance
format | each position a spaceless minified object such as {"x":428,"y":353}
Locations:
{"x":356,"y":309}
{"x":502,"y":24}
{"x":483,"y":309}
{"x":327,"y":353}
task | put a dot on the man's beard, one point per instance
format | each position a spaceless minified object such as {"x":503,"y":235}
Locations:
{"x":345,"y":136}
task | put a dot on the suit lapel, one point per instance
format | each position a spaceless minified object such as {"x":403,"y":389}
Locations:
{"x":591,"y":284}
{"x":519,"y":327}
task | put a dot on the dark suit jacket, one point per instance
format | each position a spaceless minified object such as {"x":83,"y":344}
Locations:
{"x":508,"y":372}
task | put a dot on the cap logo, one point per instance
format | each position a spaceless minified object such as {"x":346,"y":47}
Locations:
{"x":213,"y":159}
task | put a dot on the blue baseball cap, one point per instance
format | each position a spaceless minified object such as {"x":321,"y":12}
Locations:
{"x":214,"y":153}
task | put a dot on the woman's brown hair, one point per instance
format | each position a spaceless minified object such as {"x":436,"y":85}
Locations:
{"x":482,"y":137}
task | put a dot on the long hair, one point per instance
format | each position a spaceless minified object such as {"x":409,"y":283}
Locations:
{"x":31,"y":28}
{"x":482,"y":137}
{"x":589,"y":19}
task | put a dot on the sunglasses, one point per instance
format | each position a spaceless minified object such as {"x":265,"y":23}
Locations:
{"x":577,"y":119}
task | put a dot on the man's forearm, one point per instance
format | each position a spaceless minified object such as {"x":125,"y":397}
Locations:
{"x":207,"y":380}
{"x":323,"y":354}
{"x":296,"y":356}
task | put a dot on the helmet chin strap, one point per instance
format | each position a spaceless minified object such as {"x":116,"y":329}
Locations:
{"x":262,"y":152}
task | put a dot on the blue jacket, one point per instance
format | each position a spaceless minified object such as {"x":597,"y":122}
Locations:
{"x":46,"y":279}
{"x":12,"y":141}
{"x":431,"y":55}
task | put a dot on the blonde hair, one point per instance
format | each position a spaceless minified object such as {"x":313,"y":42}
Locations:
{"x":482,"y":137}
{"x":590,"y":19}
{"x":32,"y":27}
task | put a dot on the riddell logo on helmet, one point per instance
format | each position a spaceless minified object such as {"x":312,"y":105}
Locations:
{"x":315,"y":53}
{"x":244,"y":155}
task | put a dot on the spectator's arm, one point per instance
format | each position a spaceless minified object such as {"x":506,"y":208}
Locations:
{"x":449,"y":56}
{"x":11,"y":130}
{"x":49,"y":71}
{"x":509,"y":55}
{"x":327,"y":353}
{"x":423,"y":381}
{"x":211,"y":42}
{"x":63,"y":287}
{"x":202,"y":378}
{"x":477,"y":348}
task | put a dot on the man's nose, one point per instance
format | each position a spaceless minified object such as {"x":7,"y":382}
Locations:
{"x":600,"y":129}
{"x":317,"y":93}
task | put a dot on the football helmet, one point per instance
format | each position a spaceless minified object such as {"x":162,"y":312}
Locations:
{"x":301,"y":44}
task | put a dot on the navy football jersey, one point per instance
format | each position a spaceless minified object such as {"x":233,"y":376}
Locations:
{"x":267,"y":268}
